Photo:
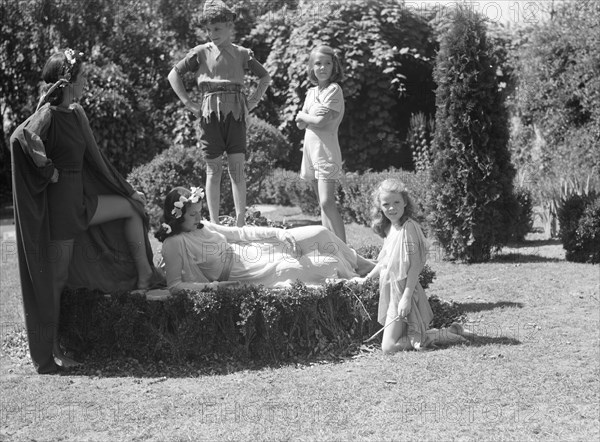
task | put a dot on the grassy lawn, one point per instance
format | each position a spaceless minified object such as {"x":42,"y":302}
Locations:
{"x":532,"y":374}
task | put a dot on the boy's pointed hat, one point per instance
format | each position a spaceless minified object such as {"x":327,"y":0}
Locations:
{"x":215,"y":10}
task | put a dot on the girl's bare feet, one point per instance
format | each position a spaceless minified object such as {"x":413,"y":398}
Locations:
{"x":458,"y":329}
{"x":444,"y":336}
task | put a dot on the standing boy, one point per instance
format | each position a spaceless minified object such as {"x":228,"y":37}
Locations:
{"x":219,"y":67}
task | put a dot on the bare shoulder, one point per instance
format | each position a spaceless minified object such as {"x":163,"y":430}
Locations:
{"x":411,"y":227}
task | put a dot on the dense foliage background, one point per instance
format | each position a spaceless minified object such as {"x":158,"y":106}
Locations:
{"x":546,"y":73}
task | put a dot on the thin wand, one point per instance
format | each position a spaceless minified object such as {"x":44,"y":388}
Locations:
{"x":382,"y":329}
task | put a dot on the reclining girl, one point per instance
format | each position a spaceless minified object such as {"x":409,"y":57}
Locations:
{"x":199,"y":254}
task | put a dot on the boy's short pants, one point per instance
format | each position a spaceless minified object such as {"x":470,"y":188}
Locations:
{"x":217,"y":136}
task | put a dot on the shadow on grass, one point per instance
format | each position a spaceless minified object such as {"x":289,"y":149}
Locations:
{"x":160,"y":371}
{"x":482,"y":340}
{"x":473,"y":307}
{"x":522,"y":258}
{"x":153,"y":372}
{"x":527,"y":251}
{"x":540,"y":243}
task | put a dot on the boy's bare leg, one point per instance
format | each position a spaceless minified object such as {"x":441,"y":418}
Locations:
{"x":214,"y":170}
{"x":236,"y":163}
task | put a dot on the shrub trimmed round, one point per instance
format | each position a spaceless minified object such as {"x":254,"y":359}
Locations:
{"x":579,"y":218}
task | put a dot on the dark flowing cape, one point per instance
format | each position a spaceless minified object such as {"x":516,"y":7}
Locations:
{"x":101,"y":257}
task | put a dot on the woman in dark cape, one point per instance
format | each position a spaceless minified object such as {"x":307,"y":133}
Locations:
{"x":79,"y":223}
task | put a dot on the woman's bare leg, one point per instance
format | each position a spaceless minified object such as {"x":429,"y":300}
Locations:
{"x":112,"y":207}
{"x":60,"y":252}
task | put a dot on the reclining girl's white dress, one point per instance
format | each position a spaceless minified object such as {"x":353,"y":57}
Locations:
{"x":255,"y":255}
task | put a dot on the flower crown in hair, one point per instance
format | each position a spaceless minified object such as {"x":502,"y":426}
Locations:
{"x":197,"y":195}
{"x":72,"y":58}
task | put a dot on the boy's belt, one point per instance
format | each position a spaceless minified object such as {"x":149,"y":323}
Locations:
{"x":211,"y":88}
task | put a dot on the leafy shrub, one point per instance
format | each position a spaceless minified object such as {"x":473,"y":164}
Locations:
{"x":266,"y":146}
{"x":249,"y":323}
{"x":274,"y":190}
{"x":122,"y":130}
{"x":302,"y":195}
{"x":387,"y":52}
{"x":183,"y":166}
{"x":471,"y":205}
{"x":555,"y":57}
{"x":419,"y":140}
{"x":524,"y":220}
{"x":285,"y":187}
{"x":254,"y":218}
{"x":550,"y":191}
{"x":176,"y":166}
{"x":588,"y":234}
{"x":354,"y":198}
{"x":579,"y":230}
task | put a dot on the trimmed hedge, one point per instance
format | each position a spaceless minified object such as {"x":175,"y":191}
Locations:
{"x":354,"y":199}
{"x":579,"y":218}
{"x":248,"y":323}
{"x":588,"y":233}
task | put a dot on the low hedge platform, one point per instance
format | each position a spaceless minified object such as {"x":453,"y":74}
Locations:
{"x":252,"y":323}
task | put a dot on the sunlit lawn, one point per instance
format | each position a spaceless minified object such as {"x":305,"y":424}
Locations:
{"x":533,"y":374}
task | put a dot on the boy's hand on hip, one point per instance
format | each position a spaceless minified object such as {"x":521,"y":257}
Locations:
{"x":194,"y":107}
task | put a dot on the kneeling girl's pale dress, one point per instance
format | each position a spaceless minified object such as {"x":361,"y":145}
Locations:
{"x":401,"y":247}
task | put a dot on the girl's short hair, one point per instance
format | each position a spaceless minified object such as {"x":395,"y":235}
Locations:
{"x":59,"y":67}
{"x":381,"y":224}
{"x":171,"y":224}
{"x":336,"y":75}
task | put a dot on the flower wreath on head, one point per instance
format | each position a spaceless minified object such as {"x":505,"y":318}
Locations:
{"x":72,"y":58}
{"x":67,"y":69}
{"x":197,"y":195}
